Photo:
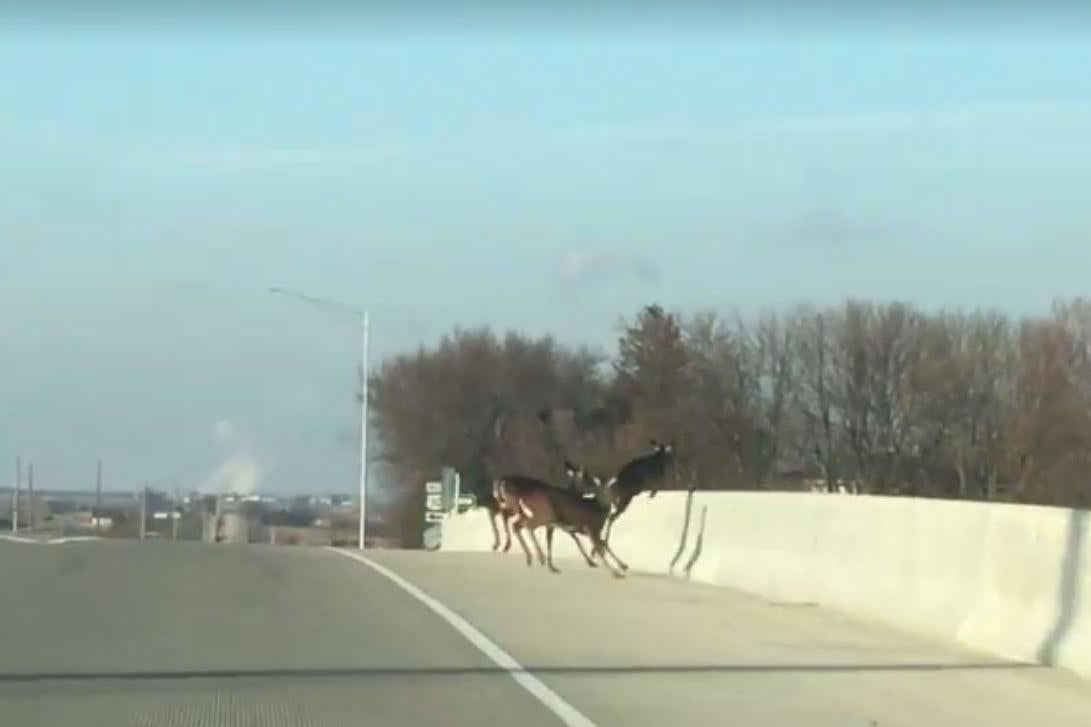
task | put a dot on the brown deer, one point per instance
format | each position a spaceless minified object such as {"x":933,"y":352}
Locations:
{"x":509,"y":494}
{"x":589,"y":502}
{"x":640,"y":474}
{"x":539,"y":505}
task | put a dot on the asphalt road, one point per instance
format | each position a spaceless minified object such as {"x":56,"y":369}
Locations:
{"x":124,"y":633}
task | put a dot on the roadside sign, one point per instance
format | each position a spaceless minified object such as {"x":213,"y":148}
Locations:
{"x":433,"y":514}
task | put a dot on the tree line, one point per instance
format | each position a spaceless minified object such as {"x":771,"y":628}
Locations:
{"x":881,"y":398}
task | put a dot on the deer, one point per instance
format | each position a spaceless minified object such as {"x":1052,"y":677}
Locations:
{"x":590,"y":499}
{"x":643,"y":473}
{"x":541,"y":505}
{"x":509,"y":492}
{"x":485,"y":498}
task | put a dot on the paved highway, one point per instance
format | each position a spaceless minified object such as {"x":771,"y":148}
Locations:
{"x":126,"y":633}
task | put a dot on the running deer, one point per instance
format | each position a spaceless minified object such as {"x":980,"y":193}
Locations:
{"x":508,"y":492}
{"x":593,"y":499}
{"x":641,"y":474}
{"x":537,"y":505}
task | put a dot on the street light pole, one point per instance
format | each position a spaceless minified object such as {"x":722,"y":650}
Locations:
{"x":364,"y":319}
{"x":364,"y":376}
{"x":15,"y":495}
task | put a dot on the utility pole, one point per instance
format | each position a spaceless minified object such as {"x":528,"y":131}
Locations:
{"x":15,"y":495}
{"x":98,"y":499}
{"x":30,"y":496}
{"x":366,"y":324}
{"x":174,"y":514}
{"x":143,"y":511}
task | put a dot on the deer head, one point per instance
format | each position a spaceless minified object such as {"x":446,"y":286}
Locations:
{"x":589,"y":485}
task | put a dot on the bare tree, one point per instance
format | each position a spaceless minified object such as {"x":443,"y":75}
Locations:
{"x":777,"y":372}
{"x":718,"y":419}
{"x":815,"y":397}
{"x":883,"y":397}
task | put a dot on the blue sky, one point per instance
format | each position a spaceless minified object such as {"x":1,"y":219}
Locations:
{"x":153,"y":185}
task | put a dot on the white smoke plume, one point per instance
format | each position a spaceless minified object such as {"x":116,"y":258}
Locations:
{"x":239,"y":472}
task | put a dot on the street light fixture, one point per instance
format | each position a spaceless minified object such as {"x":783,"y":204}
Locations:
{"x":362,"y":317}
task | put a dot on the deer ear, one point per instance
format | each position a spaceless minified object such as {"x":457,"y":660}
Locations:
{"x":654,"y":443}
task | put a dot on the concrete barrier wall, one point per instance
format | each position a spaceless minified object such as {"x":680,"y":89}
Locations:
{"x":1012,"y":580}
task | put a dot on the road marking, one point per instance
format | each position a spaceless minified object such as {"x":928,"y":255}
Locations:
{"x":50,"y":541}
{"x":568,"y":714}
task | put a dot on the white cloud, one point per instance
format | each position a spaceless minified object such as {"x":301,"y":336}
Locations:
{"x":955,"y":118}
{"x":224,"y":431}
{"x":272,"y":158}
{"x":633,"y":132}
{"x":948,"y":119}
{"x":579,"y":266}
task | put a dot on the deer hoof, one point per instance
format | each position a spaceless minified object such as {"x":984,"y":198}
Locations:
{"x":554,"y":569}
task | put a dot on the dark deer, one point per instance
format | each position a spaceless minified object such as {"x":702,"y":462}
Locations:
{"x":641,"y":474}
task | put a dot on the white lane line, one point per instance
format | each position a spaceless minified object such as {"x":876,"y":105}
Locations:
{"x":568,"y":714}
{"x":51,"y":541}
{"x":18,"y":539}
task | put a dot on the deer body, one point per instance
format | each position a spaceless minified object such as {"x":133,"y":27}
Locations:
{"x":536,"y":504}
{"x":523,"y":503}
{"x":640,"y":474}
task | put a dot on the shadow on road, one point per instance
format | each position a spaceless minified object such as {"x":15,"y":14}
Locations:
{"x":664,"y":669}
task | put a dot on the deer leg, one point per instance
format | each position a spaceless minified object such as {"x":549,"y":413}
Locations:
{"x":579,"y":545}
{"x":518,"y":528}
{"x":495,"y":532}
{"x":549,"y":549}
{"x":621,"y":564}
{"x":537,"y":546}
{"x":508,"y":520}
{"x":606,"y":541}
{"x":599,"y":548}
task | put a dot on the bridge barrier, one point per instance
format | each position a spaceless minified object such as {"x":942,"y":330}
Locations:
{"x":1012,"y":580}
